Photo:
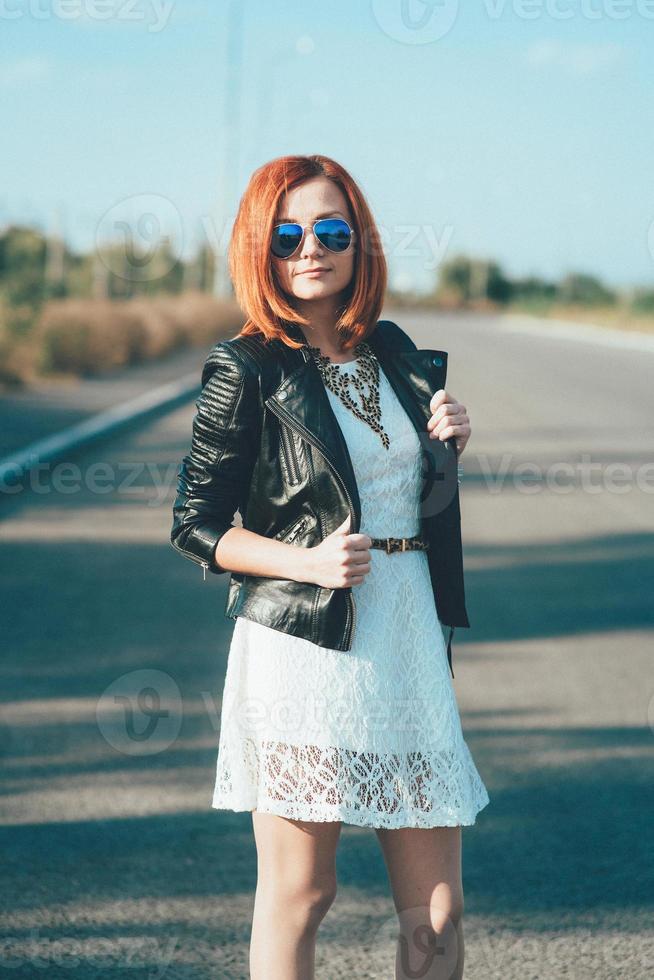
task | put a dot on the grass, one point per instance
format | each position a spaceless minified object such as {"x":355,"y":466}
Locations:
{"x":615,"y":317}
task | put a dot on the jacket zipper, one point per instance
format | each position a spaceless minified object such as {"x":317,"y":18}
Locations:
{"x":296,"y":530}
{"x":352,"y":609}
{"x":200,"y":561}
{"x":291,"y":532}
{"x":288,"y":448}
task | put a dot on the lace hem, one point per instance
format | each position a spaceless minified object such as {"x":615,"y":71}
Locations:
{"x":422,"y":788}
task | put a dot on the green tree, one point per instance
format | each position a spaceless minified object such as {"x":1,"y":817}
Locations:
{"x":466,"y":280}
{"x":577,"y":287}
{"x":22,"y":265}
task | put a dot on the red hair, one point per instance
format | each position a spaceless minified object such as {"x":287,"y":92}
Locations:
{"x":257,"y":290}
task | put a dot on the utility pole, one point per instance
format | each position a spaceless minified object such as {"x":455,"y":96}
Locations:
{"x":230,"y":155}
{"x":55,"y":254}
{"x":479,"y":275}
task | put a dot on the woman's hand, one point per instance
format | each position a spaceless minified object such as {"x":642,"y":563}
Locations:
{"x":340,"y":560}
{"x":448,"y":419}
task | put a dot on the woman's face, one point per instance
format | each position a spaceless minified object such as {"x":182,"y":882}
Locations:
{"x":316,"y":198}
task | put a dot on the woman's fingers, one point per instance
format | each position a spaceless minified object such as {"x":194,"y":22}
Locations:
{"x":450,"y":430}
{"x":455,"y":413}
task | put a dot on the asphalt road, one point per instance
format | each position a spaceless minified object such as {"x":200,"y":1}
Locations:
{"x":114,"y":863}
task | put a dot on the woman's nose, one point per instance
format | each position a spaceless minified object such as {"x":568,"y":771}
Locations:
{"x":311,"y":244}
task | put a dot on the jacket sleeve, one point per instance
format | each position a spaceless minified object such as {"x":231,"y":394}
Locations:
{"x":214,"y":477}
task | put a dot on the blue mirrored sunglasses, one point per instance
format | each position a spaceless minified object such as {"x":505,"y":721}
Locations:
{"x":334,"y":233}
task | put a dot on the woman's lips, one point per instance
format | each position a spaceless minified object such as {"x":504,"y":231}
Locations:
{"x":314,"y":272}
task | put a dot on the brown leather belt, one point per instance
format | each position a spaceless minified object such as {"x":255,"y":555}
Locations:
{"x":390,"y":545}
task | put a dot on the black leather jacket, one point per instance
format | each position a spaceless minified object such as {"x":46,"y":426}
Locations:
{"x":266,"y":443}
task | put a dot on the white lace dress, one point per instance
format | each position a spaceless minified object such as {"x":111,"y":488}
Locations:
{"x":369,"y":736}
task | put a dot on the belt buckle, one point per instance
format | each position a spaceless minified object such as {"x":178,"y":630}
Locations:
{"x":393,"y":544}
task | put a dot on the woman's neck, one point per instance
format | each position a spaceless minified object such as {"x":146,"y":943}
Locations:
{"x":321,"y":331}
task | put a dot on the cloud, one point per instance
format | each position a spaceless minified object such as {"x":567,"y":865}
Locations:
{"x":576,"y":58}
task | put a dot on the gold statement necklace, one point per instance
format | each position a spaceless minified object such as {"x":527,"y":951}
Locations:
{"x":366,"y":373}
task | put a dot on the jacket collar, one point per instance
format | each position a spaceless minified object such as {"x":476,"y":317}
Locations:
{"x":414,"y":375}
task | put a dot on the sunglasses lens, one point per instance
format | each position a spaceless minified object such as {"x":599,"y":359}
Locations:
{"x":334,"y":234}
{"x":285,"y":239}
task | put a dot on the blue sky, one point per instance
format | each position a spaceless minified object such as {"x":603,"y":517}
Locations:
{"x":521,"y":131}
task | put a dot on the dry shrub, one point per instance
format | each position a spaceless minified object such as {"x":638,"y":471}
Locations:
{"x":185,"y":320}
{"x":449,"y":299}
{"x":87,"y":337}
{"x":157,"y":319}
{"x":18,"y":354}
{"x":203,"y":319}
{"x":18,"y":359}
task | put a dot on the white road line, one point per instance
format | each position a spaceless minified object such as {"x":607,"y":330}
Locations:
{"x":13,"y":466}
{"x":571,"y":330}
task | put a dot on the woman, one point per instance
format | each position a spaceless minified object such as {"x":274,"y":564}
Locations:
{"x":333,"y":437}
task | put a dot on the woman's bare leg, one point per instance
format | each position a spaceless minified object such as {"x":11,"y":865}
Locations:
{"x":424,"y":868}
{"x":296,"y":884}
